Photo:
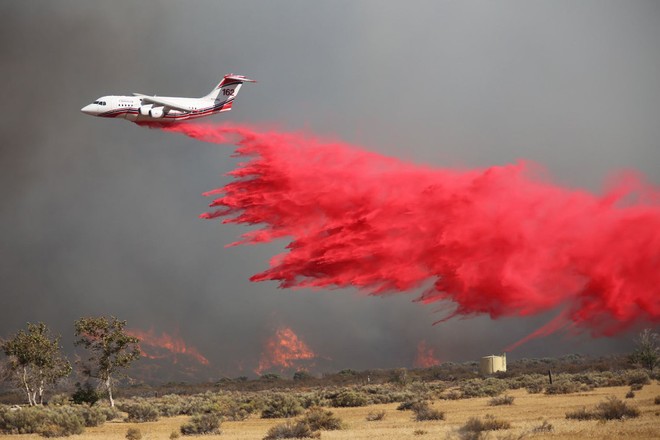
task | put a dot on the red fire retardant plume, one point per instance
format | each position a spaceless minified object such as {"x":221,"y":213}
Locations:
{"x":500,"y":241}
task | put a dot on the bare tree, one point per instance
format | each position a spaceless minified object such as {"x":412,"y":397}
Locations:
{"x":647,"y":351}
{"x":35,"y":361}
{"x":111,"y":348}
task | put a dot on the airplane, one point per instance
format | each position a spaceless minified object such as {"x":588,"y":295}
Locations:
{"x":144,"y":109}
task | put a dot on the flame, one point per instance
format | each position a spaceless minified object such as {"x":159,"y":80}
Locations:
{"x":425,"y":356}
{"x":158,"y":346}
{"x":284,"y":350}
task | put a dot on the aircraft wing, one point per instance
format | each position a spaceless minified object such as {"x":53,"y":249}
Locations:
{"x":164,"y":102}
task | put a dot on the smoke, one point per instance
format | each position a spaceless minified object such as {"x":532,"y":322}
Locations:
{"x":501,"y":241}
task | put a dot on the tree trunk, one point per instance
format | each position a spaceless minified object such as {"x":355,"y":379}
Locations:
{"x":109,"y":388}
{"x":27,"y":387}
{"x":41,"y":392}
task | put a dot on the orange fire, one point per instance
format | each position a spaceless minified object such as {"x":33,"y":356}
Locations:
{"x":425,"y":356}
{"x":164,"y":346}
{"x":284,"y":350}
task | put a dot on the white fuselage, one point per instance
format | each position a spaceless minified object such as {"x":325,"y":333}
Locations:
{"x":135,"y":110}
{"x":144,"y":109}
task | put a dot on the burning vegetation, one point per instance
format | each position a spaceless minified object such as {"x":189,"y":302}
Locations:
{"x":283,"y":351}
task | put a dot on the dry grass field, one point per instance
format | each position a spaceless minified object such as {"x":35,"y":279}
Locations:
{"x":527,"y":412}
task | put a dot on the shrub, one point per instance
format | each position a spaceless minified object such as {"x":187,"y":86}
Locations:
{"x":302,"y":375}
{"x":423,"y":411}
{"x":543,"y":427}
{"x":85,"y":394}
{"x":615,"y":409}
{"x":475,"y":426}
{"x":174,"y":435}
{"x":657,"y":400}
{"x":407,"y":405}
{"x":534,"y":388}
{"x":140,"y":412}
{"x":319,"y":419}
{"x":375,"y":416}
{"x":59,"y":400}
{"x":202,"y":424}
{"x":291,"y":430}
{"x":580,"y":414}
{"x":630,"y":394}
{"x":270,"y":377}
{"x":501,"y":400}
{"x":49,"y":422}
{"x":133,"y":434}
{"x":610,"y":409}
{"x":562,"y":387}
{"x":281,"y":406}
{"x":238,"y":411}
{"x":92,"y":416}
{"x":636,"y":387}
{"x":23,"y":421}
{"x":483,"y":387}
{"x":62,"y":422}
{"x":348,"y":398}
{"x":420,"y":432}
{"x":110,"y":412}
{"x":452,"y":395}
{"x":637,"y":377}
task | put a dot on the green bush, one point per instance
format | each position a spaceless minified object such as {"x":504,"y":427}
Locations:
{"x":320,"y":419}
{"x":349,"y":398}
{"x":291,"y":430}
{"x":62,"y":422}
{"x":140,"y":411}
{"x":85,"y":394}
{"x":281,"y":406}
{"x":423,"y":412}
{"x":483,"y":387}
{"x":562,"y":387}
{"x":202,"y":424}
{"x":48,"y":422}
{"x":92,"y":416}
{"x":110,"y":412}
{"x":22,"y":421}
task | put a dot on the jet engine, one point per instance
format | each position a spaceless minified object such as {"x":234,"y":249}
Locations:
{"x":156,"y":112}
{"x":144,"y":109}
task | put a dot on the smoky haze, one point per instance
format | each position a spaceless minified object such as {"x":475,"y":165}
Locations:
{"x":100,"y":216}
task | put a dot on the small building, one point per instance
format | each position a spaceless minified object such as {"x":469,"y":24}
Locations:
{"x":492,"y":364}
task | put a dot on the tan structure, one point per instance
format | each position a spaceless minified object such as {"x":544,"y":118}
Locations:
{"x":492,"y":364}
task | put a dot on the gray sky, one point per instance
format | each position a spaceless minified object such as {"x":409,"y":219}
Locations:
{"x":100,"y":216}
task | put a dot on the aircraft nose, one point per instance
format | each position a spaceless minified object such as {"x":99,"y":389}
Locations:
{"x":88,"y":109}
